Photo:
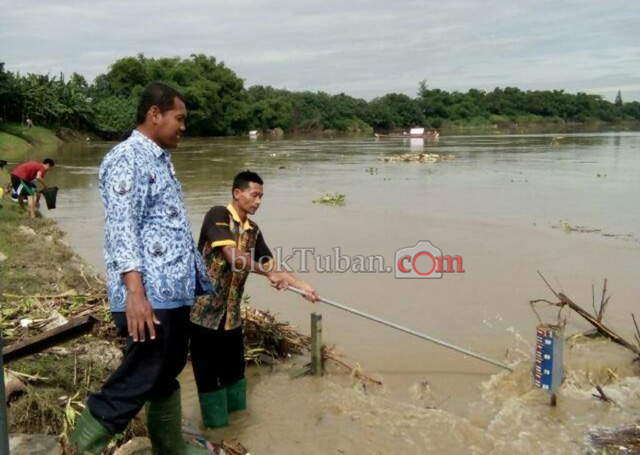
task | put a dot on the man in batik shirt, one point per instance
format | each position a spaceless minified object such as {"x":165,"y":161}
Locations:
{"x":153,"y":274}
{"x":233,"y":246}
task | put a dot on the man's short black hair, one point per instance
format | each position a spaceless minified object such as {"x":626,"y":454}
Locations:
{"x":3,"y":163}
{"x":242,"y":180}
{"x":48,"y":161}
{"x":156,"y":94}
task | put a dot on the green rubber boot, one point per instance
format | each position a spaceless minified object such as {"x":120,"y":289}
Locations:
{"x":213,"y":406}
{"x":164,"y":422}
{"x":89,"y":437}
{"x":237,"y":396}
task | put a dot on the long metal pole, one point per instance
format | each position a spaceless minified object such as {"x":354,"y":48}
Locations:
{"x":405,"y":329}
{"x":4,"y":428}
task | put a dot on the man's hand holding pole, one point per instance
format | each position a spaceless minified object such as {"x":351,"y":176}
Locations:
{"x":282,"y":281}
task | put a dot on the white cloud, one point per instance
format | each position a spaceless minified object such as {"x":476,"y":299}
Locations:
{"x":361,"y":47}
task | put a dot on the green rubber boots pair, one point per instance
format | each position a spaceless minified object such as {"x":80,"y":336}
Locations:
{"x":164,"y":422}
{"x":216,"y":406}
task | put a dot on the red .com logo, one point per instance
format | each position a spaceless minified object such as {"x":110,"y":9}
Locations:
{"x":424,"y":260}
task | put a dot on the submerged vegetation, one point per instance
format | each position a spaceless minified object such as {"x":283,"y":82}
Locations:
{"x":220,"y":104}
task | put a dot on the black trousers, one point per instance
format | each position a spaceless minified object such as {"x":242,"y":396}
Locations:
{"x":217,"y":357}
{"x":148,"y":370}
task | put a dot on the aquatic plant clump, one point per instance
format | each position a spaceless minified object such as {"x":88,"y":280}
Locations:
{"x":331,"y":199}
{"x":419,"y":158}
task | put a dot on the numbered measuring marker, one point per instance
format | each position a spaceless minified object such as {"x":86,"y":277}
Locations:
{"x":548,"y":371}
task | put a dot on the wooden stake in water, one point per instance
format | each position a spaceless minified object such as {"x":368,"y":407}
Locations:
{"x":317,"y":364}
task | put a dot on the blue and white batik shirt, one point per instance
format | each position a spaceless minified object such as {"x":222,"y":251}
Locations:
{"x":146,"y":227}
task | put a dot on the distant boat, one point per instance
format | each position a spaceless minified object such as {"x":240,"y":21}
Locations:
{"x":412,"y":133}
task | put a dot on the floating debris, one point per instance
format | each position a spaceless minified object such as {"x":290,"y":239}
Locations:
{"x":624,"y":439}
{"x":267,"y":338}
{"x":419,"y":158}
{"x":331,"y":199}
{"x":568,"y":228}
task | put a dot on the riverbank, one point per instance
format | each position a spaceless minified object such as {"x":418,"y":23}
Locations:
{"x":17,"y":140}
{"x":45,"y":284}
{"x":532,"y":125}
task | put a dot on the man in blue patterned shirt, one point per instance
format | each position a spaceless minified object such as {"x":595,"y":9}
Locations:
{"x":153,"y":274}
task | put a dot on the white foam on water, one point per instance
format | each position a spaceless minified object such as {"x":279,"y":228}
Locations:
{"x":336,"y":414}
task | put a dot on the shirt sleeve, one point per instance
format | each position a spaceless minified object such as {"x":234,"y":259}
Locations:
{"x":262,"y":253}
{"x":215,"y":228}
{"x":123,"y":190}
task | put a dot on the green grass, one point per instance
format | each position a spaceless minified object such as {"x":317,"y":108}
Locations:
{"x":11,"y":277}
{"x":36,"y":263}
{"x":11,"y":145}
{"x":36,"y":135}
{"x":8,"y":220}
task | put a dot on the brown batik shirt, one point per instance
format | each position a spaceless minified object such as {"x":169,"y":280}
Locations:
{"x":222,"y":226}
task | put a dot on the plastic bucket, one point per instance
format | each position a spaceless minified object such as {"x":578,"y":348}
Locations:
{"x":50,"y":195}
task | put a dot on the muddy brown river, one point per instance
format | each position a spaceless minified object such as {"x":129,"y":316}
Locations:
{"x":509,"y":206}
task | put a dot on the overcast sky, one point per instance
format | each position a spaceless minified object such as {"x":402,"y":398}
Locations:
{"x":364,"y":48}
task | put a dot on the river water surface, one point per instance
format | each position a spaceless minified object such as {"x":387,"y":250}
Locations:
{"x":510,"y":206}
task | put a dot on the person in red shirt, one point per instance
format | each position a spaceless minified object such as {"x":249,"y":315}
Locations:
{"x":24,"y":178}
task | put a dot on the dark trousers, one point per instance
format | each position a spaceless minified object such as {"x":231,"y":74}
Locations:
{"x":15,"y":185}
{"x":217,"y":357}
{"x":148,"y":370}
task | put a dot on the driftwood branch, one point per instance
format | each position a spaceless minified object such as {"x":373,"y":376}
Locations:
{"x":604,"y":300}
{"x":593,"y":320}
{"x":602,"y":329}
{"x":603,"y":396}
{"x":327,"y":354}
{"x":548,"y":285}
{"x":358,"y":373}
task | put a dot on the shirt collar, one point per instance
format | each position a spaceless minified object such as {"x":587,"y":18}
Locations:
{"x":236,"y":217}
{"x":153,"y":147}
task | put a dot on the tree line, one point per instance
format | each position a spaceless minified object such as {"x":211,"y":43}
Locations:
{"x":219,"y":103}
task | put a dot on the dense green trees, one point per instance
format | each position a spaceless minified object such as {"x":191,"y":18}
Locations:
{"x":46,"y":100}
{"x":219,"y":104}
{"x":215,"y":97}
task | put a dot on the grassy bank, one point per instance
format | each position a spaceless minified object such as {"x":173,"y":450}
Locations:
{"x":17,"y":140}
{"x":44,"y":284}
{"x":11,"y":145}
{"x":36,"y":136}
